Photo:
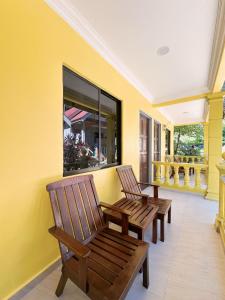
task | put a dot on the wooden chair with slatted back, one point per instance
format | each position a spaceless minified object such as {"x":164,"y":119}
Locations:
{"x":133,"y":191}
{"x":99,"y":260}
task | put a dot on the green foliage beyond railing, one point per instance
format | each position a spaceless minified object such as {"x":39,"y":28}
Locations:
{"x":186,"y":159}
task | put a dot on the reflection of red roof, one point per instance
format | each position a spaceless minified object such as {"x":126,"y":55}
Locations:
{"x":74,"y":114}
{"x":80,"y":115}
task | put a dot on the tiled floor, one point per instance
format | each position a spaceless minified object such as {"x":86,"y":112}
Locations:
{"x":189,"y":265}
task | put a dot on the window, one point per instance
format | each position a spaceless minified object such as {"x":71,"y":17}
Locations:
{"x":91,"y":123}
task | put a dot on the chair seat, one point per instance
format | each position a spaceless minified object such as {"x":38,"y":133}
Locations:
{"x":163,"y":204}
{"x":114,"y":261}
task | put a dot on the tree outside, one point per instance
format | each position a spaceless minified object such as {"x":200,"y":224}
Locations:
{"x":223,"y":137}
{"x":189,"y":140}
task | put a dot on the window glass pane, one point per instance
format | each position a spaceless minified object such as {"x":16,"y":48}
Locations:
{"x":81,"y":126}
{"x":79,"y":91}
{"x":109,"y":130}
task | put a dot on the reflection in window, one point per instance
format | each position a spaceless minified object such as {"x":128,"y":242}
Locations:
{"x":89,"y":141}
{"x":108,"y":130}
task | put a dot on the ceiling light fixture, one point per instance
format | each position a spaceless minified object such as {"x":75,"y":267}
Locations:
{"x":163,"y":50}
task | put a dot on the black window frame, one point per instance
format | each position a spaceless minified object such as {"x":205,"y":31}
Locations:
{"x":118,"y":128}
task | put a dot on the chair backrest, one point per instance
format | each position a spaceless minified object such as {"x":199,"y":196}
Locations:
{"x":75,"y":207}
{"x":129,"y":181}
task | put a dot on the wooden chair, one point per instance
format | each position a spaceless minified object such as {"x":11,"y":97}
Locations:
{"x":99,"y":260}
{"x":132,"y":190}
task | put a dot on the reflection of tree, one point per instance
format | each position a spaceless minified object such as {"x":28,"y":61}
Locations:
{"x":187,"y":136}
{"x":77,"y":154}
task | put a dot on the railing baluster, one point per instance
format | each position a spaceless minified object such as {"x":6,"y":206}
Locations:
{"x":167,"y":181}
{"x":186,"y":176}
{"x":158,"y":173}
{"x":176,"y":175}
{"x":197,"y":177}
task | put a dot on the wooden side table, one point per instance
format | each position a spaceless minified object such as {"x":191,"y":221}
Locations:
{"x":142,"y":215}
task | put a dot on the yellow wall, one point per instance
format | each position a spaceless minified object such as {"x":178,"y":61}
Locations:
{"x":35,"y":43}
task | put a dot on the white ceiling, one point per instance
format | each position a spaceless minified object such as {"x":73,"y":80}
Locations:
{"x":185,"y":113}
{"x":128,"y":33}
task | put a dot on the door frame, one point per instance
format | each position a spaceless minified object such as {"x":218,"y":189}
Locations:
{"x":141,"y":113}
{"x":159,"y":138}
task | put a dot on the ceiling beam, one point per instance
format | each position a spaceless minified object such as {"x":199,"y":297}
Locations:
{"x":187,"y":124}
{"x":181,"y":100}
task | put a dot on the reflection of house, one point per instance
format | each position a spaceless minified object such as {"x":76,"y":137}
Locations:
{"x":82,"y":124}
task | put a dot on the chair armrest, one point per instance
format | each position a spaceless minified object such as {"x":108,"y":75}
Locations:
{"x":125,"y":214}
{"x":156,"y":188}
{"x":75,"y":246}
{"x":149,"y":184}
{"x":143,"y":196}
{"x":117,"y":209}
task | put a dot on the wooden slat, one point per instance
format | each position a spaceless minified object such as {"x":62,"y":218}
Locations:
{"x":126,"y":238}
{"x":126,"y":203}
{"x":125,"y":182}
{"x":135,"y":180}
{"x":74,"y":213}
{"x":62,"y":202}
{"x":113,"y":244}
{"x":83,"y":220}
{"x":97,"y":281}
{"x":110,"y":249}
{"x":112,"y":258}
{"x":138,"y":213}
{"x":92,"y":194}
{"x":105,"y":273}
{"x":91,"y":221}
{"x":55,"y":208}
{"x":119,"y":241}
{"x":144,"y":214}
{"x":129,"y":184}
{"x":108,"y":264}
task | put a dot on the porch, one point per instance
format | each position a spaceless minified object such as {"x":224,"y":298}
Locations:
{"x":81,"y":96}
{"x":189,"y":265}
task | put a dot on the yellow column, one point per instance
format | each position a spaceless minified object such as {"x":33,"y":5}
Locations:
{"x":206,"y":139}
{"x":214,"y":143}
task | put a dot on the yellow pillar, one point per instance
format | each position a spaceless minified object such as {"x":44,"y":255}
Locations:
{"x":206,"y":139}
{"x":214,"y":143}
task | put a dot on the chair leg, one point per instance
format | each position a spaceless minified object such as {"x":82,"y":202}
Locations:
{"x":169,"y":215}
{"x":154,"y":231}
{"x":145,"y":273}
{"x":162,"y":229}
{"x":140,"y":237}
{"x":61,"y":285}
